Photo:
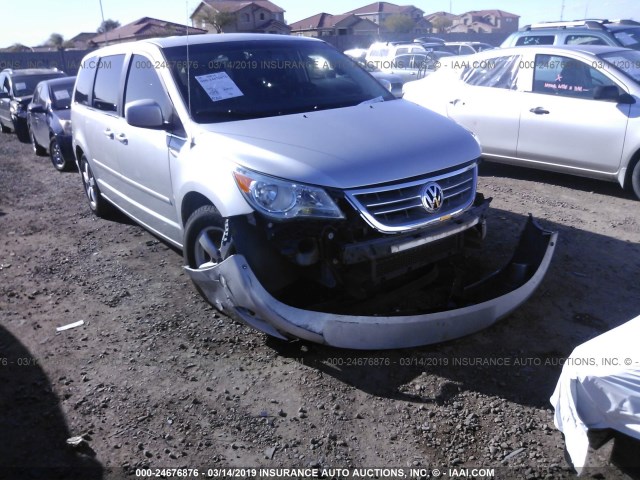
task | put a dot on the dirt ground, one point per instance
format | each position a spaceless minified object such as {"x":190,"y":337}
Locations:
{"x":155,"y":377}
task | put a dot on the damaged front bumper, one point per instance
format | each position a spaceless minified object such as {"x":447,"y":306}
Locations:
{"x":233,"y":288}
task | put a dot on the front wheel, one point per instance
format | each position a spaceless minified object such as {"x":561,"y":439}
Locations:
{"x":207,"y":241}
{"x":635,"y":179}
{"x":97,"y":203}
{"x":58,"y":160}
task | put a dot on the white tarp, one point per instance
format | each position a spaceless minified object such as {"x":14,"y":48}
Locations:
{"x":599,"y":387}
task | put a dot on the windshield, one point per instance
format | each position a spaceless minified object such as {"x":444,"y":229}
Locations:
{"x":627,"y":61}
{"x":26,"y":84}
{"x":629,"y":38}
{"x":243,"y":80}
{"x":60,"y":94}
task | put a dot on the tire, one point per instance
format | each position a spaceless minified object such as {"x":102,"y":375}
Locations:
{"x":22,"y":132}
{"x":635,"y":179}
{"x":37,"y":148}
{"x":99,"y":206}
{"x":58,"y":160}
{"x":206,"y":238}
{"x":3,"y":128}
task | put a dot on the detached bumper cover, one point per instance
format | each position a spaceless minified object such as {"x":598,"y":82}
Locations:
{"x":233,"y":288}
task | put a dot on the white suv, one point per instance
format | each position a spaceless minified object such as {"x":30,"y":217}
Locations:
{"x":298,"y":193}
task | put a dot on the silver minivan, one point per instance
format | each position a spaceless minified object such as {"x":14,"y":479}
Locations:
{"x":301,"y":196}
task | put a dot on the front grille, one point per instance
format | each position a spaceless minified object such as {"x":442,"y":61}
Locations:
{"x":398,"y":207}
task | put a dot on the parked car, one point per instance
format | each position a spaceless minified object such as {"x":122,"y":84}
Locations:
{"x":16,"y":90}
{"x":49,"y":121}
{"x":466,"y":48}
{"x":391,"y":82}
{"x":566,"y":109}
{"x":620,"y":33}
{"x":297,"y":194}
{"x":381,"y":54}
{"x":414,"y":66}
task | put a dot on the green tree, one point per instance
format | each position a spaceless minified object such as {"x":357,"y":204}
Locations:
{"x":440,"y":24}
{"x":218,"y":19}
{"x":108,"y":25}
{"x":399,"y":24}
{"x":57,"y":41}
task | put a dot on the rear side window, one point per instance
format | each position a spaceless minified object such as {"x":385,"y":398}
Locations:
{"x":584,"y":40}
{"x":498,"y":72}
{"x":535,"y":40}
{"x":106,"y":87}
{"x":84,"y":83}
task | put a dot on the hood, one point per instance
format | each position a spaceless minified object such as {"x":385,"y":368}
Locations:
{"x":25,"y":100}
{"x":348,"y":147}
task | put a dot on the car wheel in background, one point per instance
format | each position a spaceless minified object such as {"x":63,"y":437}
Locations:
{"x":22,"y":131}
{"x":97,"y":203}
{"x":3,"y":128}
{"x":57,"y":159}
{"x":37,"y":149}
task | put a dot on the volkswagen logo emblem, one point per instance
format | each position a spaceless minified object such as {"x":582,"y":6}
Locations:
{"x":432,"y":197}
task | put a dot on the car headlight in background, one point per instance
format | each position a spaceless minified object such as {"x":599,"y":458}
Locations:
{"x":66,"y":126}
{"x":283,"y":199}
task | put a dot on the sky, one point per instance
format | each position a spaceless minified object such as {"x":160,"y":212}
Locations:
{"x":70,"y":17}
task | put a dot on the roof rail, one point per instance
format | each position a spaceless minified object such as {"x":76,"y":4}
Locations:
{"x":590,"y":23}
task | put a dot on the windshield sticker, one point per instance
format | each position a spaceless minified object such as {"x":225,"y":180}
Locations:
{"x":219,"y":86}
{"x":61,"y":94}
{"x":21,"y":86}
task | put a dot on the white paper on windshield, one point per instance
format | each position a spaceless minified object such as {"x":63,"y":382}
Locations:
{"x":21,"y":86}
{"x":219,"y":86}
{"x":61,"y":94}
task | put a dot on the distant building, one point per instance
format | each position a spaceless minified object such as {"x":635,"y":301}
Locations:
{"x":257,"y":16}
{"x":440,"y":21}
{"x":325,"y":24}
{"x":378,"y":12}
{"x":485,"y":21}
{"x":145,"y":27}
{"x":82,"y":41}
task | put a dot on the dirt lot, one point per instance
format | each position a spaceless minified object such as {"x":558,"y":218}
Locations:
{"x":155,"y":377}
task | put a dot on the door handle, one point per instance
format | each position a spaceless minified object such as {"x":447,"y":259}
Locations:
{"x":456,"y":102}
{"x":539,"y":111}
{"x":108,"y":133}
{"x":122,"y":138}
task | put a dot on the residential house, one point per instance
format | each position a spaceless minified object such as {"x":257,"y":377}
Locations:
{"x":325,"y":24}
{"x":258,"y":16}
{"x":82,"y":41}
{"x":440,"y":21}
{"x":485,"y":21}
{"x":379,"y":12}
{"x":145,"y":27}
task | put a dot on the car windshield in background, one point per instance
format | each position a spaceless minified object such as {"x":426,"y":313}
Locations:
{"x":242,"y":80}
{"x":629,"y":38}
{"x":25,"y":85}
{"x":626,"y":60}
{"x":61,"y":95}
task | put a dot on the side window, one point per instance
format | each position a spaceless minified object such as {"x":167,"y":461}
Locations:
{"x":6,"y":86}
{"x":402,"y":50}
{"x":107,"y":84}
{"x":44,"y":94}
{"x":84,"y":82}
{"x":143,"y":83}
{"x":498,"y":72}
{"x":36,"y":96}
{"x":535,"y":40}
{"x":566,"y":77}
{"x":584,"y":40}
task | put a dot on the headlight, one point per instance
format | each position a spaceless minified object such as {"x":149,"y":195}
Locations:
{"x":15,"y":107}
{"x":283,"y":199}
{"x":66,"y":126}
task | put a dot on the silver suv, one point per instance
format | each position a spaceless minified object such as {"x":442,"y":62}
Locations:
{"x":300,"y":195}
{"x":619,"y":33}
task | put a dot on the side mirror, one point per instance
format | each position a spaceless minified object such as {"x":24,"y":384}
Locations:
{"x":35,"y":108}
{"x":385,"y":83}
{"x":612,"y":93}
{"x":144,"y":114}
